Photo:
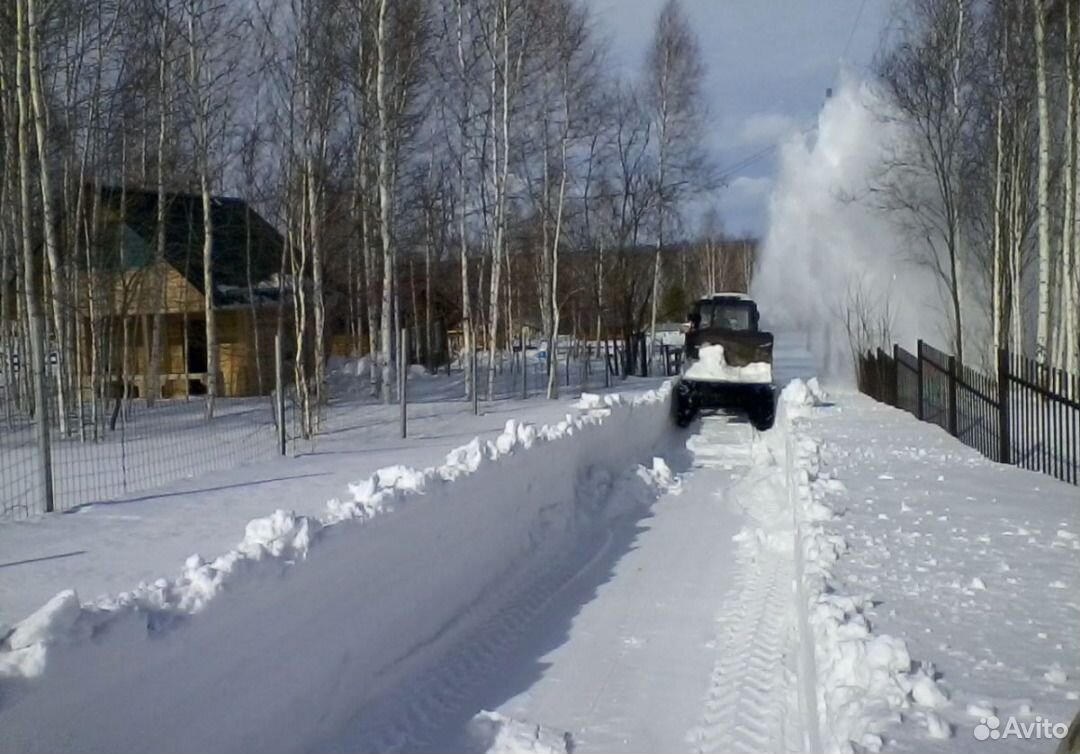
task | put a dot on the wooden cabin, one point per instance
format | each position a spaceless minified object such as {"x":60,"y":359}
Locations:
{"x":140,"y":284}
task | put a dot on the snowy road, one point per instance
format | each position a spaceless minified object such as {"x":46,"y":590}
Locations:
{"x":847,"y":580}
{"x":660,"y":660}
{"x":663,"y":635}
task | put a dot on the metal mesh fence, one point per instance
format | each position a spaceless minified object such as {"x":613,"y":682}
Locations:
{"x":104,"y":449}
{"x":97,"y":449}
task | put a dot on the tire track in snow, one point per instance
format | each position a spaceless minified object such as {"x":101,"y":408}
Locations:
{"x":752,"y":702}
{"x":415,"y":718}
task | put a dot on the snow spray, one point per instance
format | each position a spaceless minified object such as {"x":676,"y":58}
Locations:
{"x":829,"y":241}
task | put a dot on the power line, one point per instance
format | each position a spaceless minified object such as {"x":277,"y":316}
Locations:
{"x":730,"y":170}
{"x":854,"y":27}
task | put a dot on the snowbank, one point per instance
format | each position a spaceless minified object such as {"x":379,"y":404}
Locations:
{"x":493,"y":733}
{"x":712,"y":366}
{"x":861,"y":680}
{"x":281,"y":641}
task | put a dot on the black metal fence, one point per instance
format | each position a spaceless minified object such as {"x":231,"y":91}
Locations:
{"x":1026,"y":414}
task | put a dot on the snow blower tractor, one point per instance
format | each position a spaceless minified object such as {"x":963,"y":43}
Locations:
{"x":727,"y":362}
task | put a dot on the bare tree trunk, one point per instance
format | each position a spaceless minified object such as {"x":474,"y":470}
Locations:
{"x":467,"y":323}
{"x":385,"y":197}
{"x":299,"y":264}
{"x":253,"y":309}
{"x":414,"y":342}
{"x":212,"y":356}
{"x":370,"y":291}
{"x":1042,"y":336}
{"x":429,"y":360}
{"x":318,"y":302}
{"x":1016,"y":245}
{"x":553,"y":381}
{"x":49,"y":223}
{"x":1070,"y":318}
{"x":499,"y":171}
{"x":30,"y":283}
{"x":153,"y":379}
{"x":998,"y":240}
{"x":956,"y":250}
{"x":201,"y":88}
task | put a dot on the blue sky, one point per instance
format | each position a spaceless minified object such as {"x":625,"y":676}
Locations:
{"x":769,"y":63}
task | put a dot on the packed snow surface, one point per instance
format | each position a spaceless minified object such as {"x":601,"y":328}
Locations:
{"x":712,"y":366}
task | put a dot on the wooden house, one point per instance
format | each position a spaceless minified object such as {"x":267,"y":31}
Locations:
{"x":138,"y":284}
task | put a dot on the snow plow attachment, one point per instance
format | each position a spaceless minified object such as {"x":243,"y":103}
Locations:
{"x":757,"y":402}
{"x":727,"y":364}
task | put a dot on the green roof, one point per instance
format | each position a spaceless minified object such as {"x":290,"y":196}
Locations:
{"x":238,"y":231}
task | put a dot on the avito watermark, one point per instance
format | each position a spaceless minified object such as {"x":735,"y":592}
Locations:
{"x":990,"y":728}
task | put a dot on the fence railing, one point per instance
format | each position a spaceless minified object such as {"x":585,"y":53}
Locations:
{"x":1025,"y":414}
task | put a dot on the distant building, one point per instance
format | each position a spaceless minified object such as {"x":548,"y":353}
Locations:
{"x":135,"y":285}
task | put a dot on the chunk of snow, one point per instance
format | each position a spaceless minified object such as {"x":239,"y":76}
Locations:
{"x":819,"y":394}
{"x":712,"y":366}
{"x":936,"y":727}
{"x":1056,"y":675}
{"x":925,"y":691}
{"x":50,"y":623}
{"x":492,"y":733}
{"x":590,"y":401}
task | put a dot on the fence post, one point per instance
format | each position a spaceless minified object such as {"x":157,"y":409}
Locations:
{"x":41,"y":426}
{"x":919,"y":379}
{"x":953,"y":428}
{"x":524,"y":369}
{"x":896,"y":374}
{"x":1003,"y":377}
{"x":403,"y":381}
{"x":475,"y":383}
{"x":607,"y":363}
{"x":279,"y":392}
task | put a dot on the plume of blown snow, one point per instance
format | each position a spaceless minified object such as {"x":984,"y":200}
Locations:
{"x":828,"y":235}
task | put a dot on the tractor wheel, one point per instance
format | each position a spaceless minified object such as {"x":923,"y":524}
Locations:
{"x":683,"y":405}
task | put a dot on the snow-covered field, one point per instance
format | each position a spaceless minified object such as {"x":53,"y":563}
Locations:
{"x":581,"y":577}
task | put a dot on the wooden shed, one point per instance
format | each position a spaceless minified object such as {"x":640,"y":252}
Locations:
{"x":248,"y":298}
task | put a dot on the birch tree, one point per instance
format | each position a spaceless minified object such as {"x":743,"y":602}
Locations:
{"x":674,"y":75}
{"x":1042,"y":332}
{"x":1070,"y":236}
{"x":924,"y":180}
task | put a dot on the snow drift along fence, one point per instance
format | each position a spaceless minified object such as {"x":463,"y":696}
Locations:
{"x":1026,"y":414}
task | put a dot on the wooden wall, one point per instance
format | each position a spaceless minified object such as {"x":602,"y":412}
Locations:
{"x":241,"y":363}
